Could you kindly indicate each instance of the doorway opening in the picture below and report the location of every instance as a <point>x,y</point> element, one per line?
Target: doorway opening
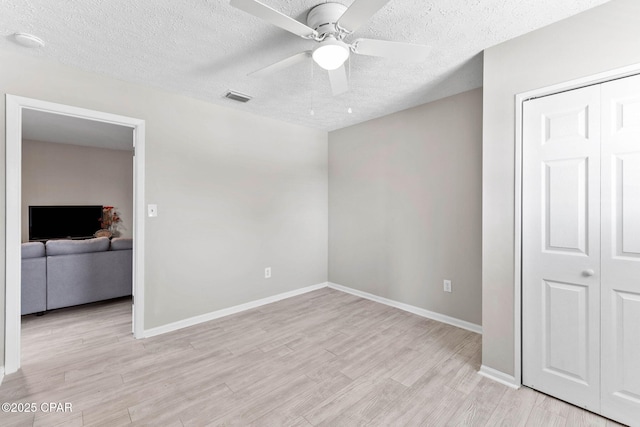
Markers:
<point>22,111</point>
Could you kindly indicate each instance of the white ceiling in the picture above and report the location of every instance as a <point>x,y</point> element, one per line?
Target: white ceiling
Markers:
<point>49,127</point>
<point>203,48</point>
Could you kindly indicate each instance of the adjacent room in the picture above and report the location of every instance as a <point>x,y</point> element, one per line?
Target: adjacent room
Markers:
<point>388,212</point>
<point>77,183</point>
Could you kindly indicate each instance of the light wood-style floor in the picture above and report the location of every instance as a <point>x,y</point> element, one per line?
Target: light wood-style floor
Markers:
<point>323,358</point>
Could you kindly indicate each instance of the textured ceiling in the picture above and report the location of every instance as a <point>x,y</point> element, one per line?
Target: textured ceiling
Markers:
<point>49,127</point>
<point>203,48</point>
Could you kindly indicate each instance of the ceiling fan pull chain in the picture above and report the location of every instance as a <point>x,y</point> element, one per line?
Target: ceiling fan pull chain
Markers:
<point>311,112</point>
<point>349,110</point>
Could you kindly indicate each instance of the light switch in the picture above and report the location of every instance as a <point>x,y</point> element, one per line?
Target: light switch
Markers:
<point>152,210</point>
<point>447,285</point>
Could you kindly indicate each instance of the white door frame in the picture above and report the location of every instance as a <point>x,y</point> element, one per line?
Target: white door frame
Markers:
<point>13,164</point>
<point>520,98</point>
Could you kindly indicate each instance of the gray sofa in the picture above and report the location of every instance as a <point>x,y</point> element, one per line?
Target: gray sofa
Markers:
<point>75,272</point>
<point>34,278</point>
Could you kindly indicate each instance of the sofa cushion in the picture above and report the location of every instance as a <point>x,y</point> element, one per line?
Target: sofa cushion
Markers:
<point>32,250</point>
<point>83,278</point>
<point>121,243</point>
<point>68,247</point>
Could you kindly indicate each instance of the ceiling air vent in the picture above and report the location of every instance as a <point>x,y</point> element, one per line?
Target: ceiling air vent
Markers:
<point>237,96</point>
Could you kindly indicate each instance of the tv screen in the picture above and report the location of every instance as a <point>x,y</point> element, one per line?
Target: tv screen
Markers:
<point>60,222</point>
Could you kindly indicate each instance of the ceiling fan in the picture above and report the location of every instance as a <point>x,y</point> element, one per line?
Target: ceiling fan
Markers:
<point>328,24</point>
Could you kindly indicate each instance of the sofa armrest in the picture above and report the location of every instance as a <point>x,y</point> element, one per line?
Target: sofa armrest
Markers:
<point>33,285</point>
<point>32,250</point>
<point>121,243</point>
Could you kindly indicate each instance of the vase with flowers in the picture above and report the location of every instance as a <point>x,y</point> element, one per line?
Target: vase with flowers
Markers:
<point>109,222</point>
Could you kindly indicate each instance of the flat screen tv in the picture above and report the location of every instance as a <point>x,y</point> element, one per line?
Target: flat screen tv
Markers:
<point>63,222</point>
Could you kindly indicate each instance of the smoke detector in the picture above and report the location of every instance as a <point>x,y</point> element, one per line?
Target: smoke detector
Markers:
<point>28,40</point>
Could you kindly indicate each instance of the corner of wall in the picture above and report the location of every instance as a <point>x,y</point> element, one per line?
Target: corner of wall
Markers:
<point>498,376</point>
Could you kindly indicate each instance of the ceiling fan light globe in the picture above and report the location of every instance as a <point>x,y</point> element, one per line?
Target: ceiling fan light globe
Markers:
<point>331,54</point>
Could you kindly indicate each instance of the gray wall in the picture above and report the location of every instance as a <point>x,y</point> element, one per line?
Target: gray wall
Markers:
<point>63,174</point>
<point>236,193</point>
<point>601,39</point>
<point>405,206</point>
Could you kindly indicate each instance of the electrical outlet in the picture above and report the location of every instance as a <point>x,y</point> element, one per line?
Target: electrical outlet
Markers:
<point>267,273</point>
<point>447,285</point>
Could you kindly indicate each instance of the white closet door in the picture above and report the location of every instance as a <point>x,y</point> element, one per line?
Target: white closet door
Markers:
<point>621,250</point>
<point>561,246</point>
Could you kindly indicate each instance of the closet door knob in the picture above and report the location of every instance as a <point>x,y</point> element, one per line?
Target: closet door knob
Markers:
<point>588,273</point>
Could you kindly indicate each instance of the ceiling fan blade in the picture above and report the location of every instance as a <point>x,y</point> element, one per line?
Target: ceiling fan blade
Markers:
<point>338,80</point>
<point>276,18</point>
<point>392,50</point>
<point>359,12</point>
<point>281,65</point>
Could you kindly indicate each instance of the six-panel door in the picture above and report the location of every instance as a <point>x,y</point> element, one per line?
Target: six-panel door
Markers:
<point>581,247</point>
<point>561,246</point>
<point>621,250</point>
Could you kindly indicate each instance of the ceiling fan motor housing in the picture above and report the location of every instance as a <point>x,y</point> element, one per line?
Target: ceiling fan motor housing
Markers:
<point>323,18</point>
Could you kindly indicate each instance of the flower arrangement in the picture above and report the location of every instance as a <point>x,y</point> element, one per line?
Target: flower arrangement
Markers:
<point>110,218</point>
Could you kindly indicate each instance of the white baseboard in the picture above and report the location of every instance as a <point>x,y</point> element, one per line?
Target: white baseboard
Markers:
<point>501,377</point>
<point>411,309</point>
<point>253,304</point>
<point>227,311</point>
<point>1,374</point>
